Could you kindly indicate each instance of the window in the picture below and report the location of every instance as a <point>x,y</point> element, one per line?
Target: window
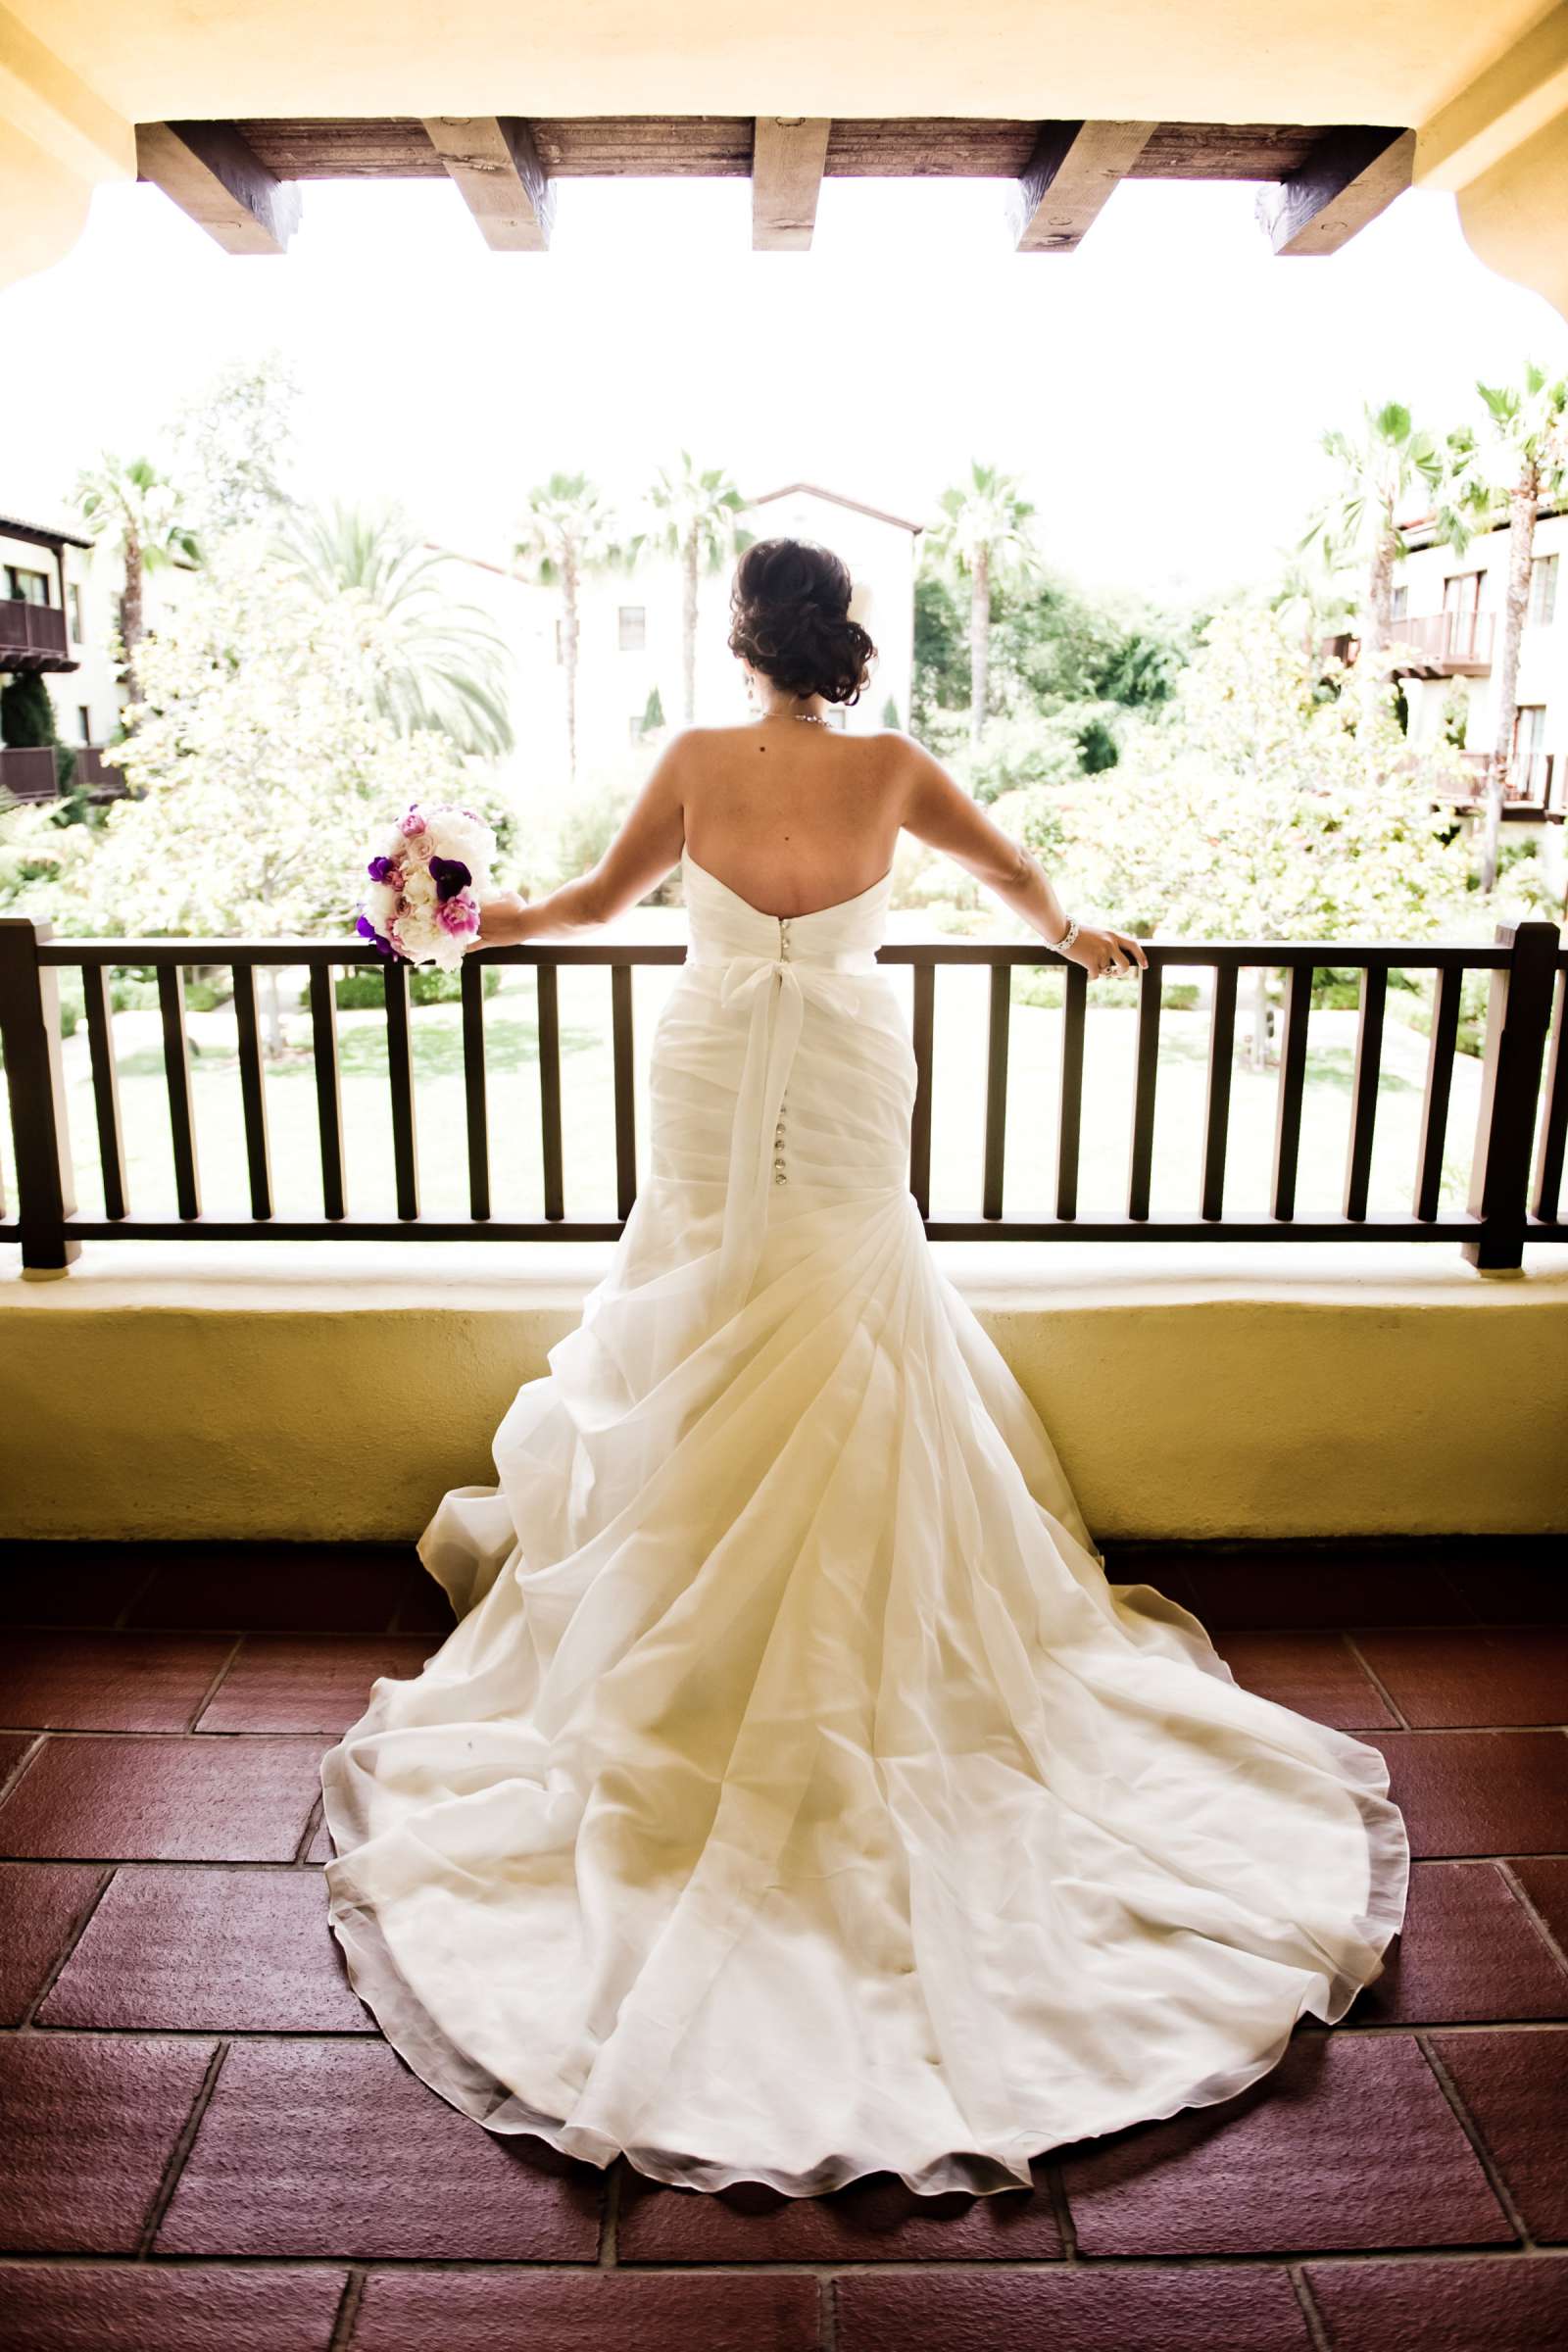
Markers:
<point>84,723</point>
<point>74,605</point>
<point>1544,589</point>
<point>27,587</point>
<point>1461,605</point>
<point>634,726</point>
<point>633,622</point>
<point>1529,769</point>
<point>1461,593</point>
<point>1401,602</point>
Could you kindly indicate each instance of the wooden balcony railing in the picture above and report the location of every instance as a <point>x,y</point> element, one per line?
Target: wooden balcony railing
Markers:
<point>30,772</point>
<point>1533,780</point>
<point>1507,1207</point>
<point>32,636</point>
<point>1443,643</point>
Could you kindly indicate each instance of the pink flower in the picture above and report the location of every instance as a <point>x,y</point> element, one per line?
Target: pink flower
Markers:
<point>459,915</point>
<point>413,822</point>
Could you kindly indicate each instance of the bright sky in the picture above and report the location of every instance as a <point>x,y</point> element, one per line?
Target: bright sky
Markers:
<point>1161,392</point>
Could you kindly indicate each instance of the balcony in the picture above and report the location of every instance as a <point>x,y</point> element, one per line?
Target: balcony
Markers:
<point>1443,645</point>
<point>1534,786</point>
<point>33,637</point>
<point>29,774</point>
<point>1433,645</point>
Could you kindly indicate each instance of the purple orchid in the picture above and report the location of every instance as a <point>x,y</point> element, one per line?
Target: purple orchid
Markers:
<point>368,930</point>
<point>381,869</point>
<point>451,876</point>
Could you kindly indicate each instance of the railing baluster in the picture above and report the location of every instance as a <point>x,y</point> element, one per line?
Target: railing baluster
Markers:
<point>997,1089</point>
<point>329,1089</point>
<point>1146,1068</point>
<point>176,1072</point>
<point>29,1023</point>
<point>473,1089</point>
<point>1291,1088</point>
<point>1518,1011</point>
<point>105,1087</point>
<point>252,1091</point>
<point>549,1090</point>
<point>1217,1112</point>
<point>1364,1089</point>
<point>1446,983</point>
<point>1069,1132</point>
<point>922,1028</point>
<point>625,1100</point>
<point>399,1076</point>
<point>1554,1119</point>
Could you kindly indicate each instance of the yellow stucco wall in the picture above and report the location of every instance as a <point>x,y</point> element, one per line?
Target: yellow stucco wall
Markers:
<point>257,1396</point>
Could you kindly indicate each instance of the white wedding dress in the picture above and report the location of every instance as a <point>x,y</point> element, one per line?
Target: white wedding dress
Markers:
<point>795,1798</point>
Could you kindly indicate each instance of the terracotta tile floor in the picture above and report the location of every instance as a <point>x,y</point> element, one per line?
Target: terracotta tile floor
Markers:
<point>225,2155</point>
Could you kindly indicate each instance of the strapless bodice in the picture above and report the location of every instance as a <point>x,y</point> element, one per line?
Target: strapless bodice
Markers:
<point>780,1059</point>
<point>723,927</point>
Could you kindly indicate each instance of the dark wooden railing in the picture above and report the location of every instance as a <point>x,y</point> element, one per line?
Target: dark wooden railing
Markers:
<point>32,636</point>
<point>32,772</point>
<point>1511,1200</point>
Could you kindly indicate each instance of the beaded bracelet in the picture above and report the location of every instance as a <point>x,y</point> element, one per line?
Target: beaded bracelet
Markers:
<point>1060,946</point>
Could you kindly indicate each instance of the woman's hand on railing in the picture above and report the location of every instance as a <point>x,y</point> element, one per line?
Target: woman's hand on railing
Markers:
<point>501,920</point>
<point>1103,953</point>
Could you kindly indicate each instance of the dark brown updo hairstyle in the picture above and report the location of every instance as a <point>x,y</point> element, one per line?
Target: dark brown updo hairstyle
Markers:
<point>790,620</point>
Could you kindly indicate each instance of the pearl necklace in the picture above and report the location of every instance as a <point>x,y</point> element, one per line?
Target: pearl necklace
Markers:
<point>804,718</point>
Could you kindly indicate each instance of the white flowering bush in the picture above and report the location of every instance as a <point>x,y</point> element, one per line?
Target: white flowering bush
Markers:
<point>260,767</point>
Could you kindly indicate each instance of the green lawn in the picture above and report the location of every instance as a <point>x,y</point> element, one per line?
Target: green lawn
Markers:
<point>957,1126</point>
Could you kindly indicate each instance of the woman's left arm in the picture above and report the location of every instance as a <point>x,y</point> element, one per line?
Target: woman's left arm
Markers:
<point>649,843</point>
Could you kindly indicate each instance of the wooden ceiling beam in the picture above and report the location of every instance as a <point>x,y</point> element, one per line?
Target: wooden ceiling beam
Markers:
<point>212,174</point>
<point>788,154</point>
<point>1073,170</point>
<point>495,163</point>
<point>1352,174</point>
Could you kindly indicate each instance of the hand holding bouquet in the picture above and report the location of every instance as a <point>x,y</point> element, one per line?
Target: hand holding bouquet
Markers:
<point>425,884</point>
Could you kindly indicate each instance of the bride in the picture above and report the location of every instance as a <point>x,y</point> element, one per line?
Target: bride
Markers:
<point>795,1798</point>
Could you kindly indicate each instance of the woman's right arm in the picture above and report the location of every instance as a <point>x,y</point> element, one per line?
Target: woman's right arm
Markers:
<point>939,811</point>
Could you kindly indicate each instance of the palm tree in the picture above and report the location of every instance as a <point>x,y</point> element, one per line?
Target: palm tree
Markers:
<point>984,537</point>
<point>697,526</point>
<point>127,503</point>
<point>429,659</point>
<point>1529,433</point>
<point>1379,469</point>
<point>567,531</point>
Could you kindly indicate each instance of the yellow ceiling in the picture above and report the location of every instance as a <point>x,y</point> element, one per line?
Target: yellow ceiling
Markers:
<point>1237,60</point>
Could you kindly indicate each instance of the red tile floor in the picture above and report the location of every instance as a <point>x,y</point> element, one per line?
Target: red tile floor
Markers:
<point>208,2148</point>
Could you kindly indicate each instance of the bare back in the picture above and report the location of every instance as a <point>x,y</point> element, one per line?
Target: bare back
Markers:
<point>793,816</point>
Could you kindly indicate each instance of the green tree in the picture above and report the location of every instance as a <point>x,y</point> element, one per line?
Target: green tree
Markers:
<point>567,531</point>
<point>128,504</point>
<point>262,771</point>
<point>1527,436</point>
<point>1380,469</point>
<point>696,524</point>
<point>1251,809</point>
<point>231,445</point>
<point>984,537</point>
<point>423,658</point>
<point>653,712</point>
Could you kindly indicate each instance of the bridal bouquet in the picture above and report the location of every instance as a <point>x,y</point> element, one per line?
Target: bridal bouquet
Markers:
<point>425,883</point>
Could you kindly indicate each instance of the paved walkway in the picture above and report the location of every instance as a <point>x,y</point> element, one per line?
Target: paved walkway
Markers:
<point>207,2148</point>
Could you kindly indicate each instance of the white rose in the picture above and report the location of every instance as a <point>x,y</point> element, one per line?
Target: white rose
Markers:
<point>418,888</point>
<point>380,904</point>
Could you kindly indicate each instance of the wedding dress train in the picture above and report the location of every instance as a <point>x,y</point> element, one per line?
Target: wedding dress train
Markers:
<point>796,1797</point>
